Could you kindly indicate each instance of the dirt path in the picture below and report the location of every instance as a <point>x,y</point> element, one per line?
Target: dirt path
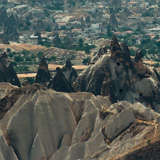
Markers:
<point>51,67</point>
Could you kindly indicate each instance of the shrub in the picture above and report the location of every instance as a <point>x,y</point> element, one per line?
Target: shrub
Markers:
<point>39,54</point>
<point>18,59</point>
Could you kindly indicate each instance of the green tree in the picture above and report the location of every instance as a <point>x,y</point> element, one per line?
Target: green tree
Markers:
<point>18,59</point>
<point>86,61</point>
<point>57,41</point>
<point>109,33</point>
<point>33,56</point>
<point>25,52</point>
<point>30,80</point>
<point>81,43</point>
<point>39,54</point>
<point>8,50</point>
<point>38,33</point>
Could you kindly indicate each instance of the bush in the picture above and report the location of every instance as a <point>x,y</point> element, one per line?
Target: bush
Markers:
<point>86,61</point>
<point>39,54</point>
<point>25,52</point>
<point>148,13</point>
<point>14,64</point>
<point>132,52</point>
<point>33,56</point>
<point>52,58</point>
<point>8,50</point>
<point>30,80</point>
<point>156,65</point>
<point>22,68</point>
<point>28,58</point>
<point>18,59</point>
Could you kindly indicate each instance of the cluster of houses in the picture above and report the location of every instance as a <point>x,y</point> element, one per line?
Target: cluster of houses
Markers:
<point>91,21</point>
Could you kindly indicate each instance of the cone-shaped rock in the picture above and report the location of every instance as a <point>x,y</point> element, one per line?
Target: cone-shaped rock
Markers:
<point>59,82</point>
<point>141,69</point>
<point>126,52</point>
<point>69,72</point>
<point>43,74</point>
<point>44,124</point>
<point>139,55</point>
<point>120,78</point>
<point>7,73</point>
<point>115,48</point>
<point>127,58</point>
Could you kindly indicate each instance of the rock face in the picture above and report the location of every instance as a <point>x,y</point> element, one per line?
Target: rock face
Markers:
<point>44,124</point>
<point>59,82</point>
<point>6,151</point>
<point>43,74</point>
<point>120,77</point>
<point>115,49</point>
<point>101,52</point>
<point>69,72</point>
<point>7,72</point>
<point>140,68</point>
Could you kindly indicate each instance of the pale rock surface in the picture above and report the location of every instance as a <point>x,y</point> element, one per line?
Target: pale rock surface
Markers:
<point>119,77</point>
<point>66,141</point>
<point>138,109</point>
<point>6,152</point>
<point>147,113</point>
<point>69,126</point>
<point>42,124</point>
<point>146,86</point>
<point>119,123</point>
<point>86,125</point>
<point>5,88</point>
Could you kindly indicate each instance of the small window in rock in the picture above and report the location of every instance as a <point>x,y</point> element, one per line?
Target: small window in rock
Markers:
<point>118,64</point>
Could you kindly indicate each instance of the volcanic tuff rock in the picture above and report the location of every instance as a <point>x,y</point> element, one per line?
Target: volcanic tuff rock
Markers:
<point>7,71</point>
<point>44,124</point>
<point>121,77</point>
<point>69,72</point>
<point>59,82</point>
<point>43,74</point>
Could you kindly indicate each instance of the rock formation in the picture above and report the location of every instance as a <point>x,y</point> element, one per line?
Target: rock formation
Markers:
<point>140,68</point>
<point>44,124</point>
<point>7,72</point>
<point>69,72</point>
<point>43,74</point>
<point>115,49</point>
<point>101,52</point>
<point>59,82</point>
<point>120,77</point>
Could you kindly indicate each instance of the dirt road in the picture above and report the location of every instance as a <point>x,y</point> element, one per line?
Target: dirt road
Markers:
<point>51,67</point>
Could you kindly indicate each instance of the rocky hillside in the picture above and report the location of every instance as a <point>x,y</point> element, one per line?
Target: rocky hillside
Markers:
<point>32,14</point>
<point>44,124</point>
<point>117,120</point>
<point>121,77</point>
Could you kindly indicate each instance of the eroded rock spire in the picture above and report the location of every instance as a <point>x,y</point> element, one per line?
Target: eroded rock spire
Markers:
<point>43,74</point>
<point>7,72</point>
